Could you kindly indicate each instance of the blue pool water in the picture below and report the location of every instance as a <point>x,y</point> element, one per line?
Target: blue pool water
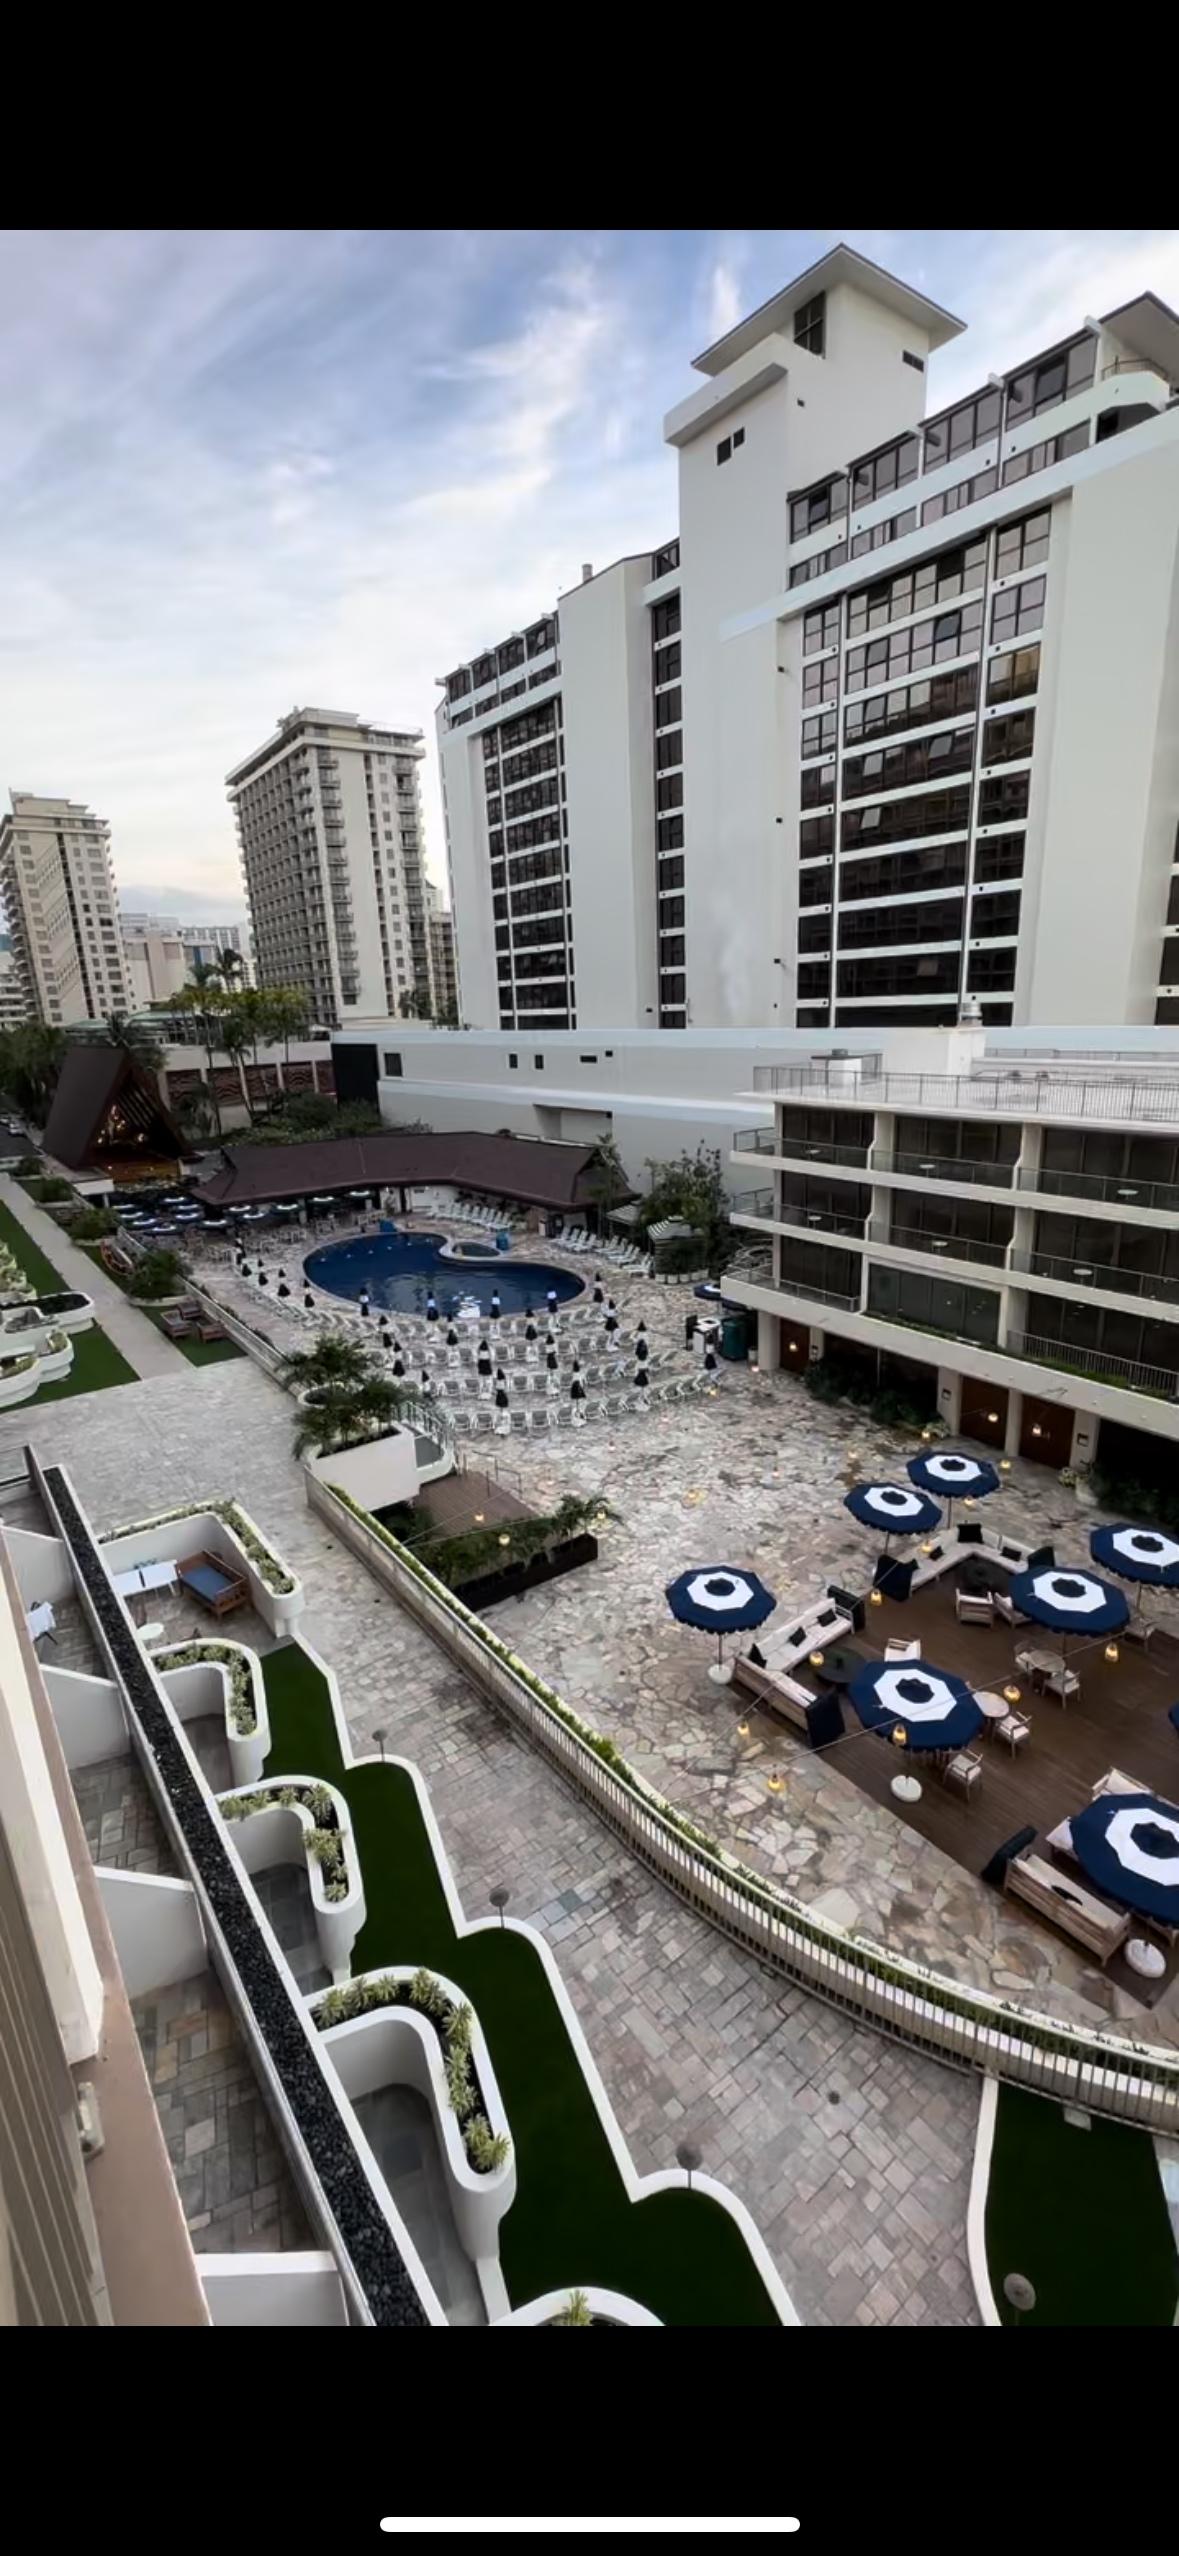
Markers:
<point>399,1271</point>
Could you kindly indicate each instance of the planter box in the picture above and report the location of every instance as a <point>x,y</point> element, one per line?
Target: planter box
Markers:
<point>396,2046</point>
<point>279,1836</point>
<point>492,1588</point>
<point>21,1385</point>
<point>204,1686</point>
<point>171,1539</point>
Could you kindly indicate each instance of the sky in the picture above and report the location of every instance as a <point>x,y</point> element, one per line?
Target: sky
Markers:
<point>241,470</point>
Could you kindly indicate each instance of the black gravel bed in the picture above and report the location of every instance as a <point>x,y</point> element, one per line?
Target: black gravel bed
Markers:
<point>380,2270</point>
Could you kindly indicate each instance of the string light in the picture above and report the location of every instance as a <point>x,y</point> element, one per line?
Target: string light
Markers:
<point>1011,1694</point>
<point>742,1730</point>
<point>1004,1464</point>
<point>1111,1651</point>
<point>773,1783</point>
<point>875,1598</point>
<point>816,1659</point>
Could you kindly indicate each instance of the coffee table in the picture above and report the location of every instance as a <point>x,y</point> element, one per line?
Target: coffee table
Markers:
<point>1146,1959</point>
<point>838,1666</point>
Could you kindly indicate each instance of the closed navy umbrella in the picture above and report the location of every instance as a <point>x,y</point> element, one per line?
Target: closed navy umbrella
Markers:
<point>1128,1843</point>
<point>893,1508</point>
<point>720,1600</point>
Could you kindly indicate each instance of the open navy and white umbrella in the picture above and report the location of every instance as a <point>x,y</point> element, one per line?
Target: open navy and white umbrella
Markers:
<point>720,1600</point>
<point>893,1508</point>
<point>931,1706</point>
<point>1068,1602</point>
<point>1143,1554</point>
<point>951,1476</point>
<point>1128,1843</point>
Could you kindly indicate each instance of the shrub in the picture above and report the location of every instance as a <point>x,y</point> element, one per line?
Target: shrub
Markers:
<point>159,1273</point>
<point>93,1224</point>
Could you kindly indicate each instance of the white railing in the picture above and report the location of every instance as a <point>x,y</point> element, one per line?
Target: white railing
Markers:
<point>965,2027</point>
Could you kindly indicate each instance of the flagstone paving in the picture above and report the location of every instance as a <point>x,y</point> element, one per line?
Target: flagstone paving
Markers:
<point>852,2154</point>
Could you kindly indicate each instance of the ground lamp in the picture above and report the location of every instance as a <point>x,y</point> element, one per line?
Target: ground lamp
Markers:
<point>1019,2294</point>
<point>498,1899</point>
<point>690,2159</point>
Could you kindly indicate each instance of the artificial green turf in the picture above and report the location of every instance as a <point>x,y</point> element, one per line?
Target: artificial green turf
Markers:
<point>97,1362</point>
<point>200,1353</point>
<point>1082,2213</point>
<point>571,2223</point>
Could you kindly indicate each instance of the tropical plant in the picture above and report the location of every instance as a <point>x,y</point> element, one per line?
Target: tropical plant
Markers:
<point>31,1054</point>
<point>691,1187</point>
<point>136,1040</point>
<point>195,1112</point>
<point>231,966</point>
<point>159,1273</point>
<point>93,1224</point>
<point>332,1361</point>
<point>606,1182</point>
<point>576,2311</point>
<point>205,1000</point>
<point>342,1416</point>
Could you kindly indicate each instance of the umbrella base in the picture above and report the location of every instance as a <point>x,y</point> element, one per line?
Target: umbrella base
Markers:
<point>721,1673</point>
<point>906,1788</point>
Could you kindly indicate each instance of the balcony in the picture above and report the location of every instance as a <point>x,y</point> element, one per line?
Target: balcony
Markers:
<point>1114,1189</point>
<point>799,1149</point>
<point>1071,1273</point>
<point>755,1140</point>
<point>820,1220</point>
<point>943,1167</point>
<point>951,1246</point>
<point>1098,1364</point>
<point>1029,1090</point>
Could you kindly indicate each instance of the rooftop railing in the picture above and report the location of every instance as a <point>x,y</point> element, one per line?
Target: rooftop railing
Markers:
<point>1020,1093</point>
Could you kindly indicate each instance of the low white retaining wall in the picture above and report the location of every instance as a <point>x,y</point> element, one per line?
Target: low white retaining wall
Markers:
<point>607,2303</point>
<point>156,1924</point>
<point>279,1836</point>
<point>396,2046</point>
<point>88,1711</point>
<point>175,1538</point>
<point>41,1564</point>
<point>204,1686</point>
<point>272,2289</point>
<point>23,1382</point>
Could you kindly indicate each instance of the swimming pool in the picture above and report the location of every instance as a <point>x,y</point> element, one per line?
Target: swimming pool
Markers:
<point>399,1271</point>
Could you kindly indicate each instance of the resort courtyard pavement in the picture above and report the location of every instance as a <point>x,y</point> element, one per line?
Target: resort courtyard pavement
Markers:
<point>852,2153</point>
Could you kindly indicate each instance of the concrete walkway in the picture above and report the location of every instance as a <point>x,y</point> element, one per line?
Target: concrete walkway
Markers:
<point>143,1347</point>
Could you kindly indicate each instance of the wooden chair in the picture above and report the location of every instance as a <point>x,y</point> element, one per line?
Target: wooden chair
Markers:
<point>962,1771</point>
<point>894,1650</point>
<point>1016,1730</point>
<point>972,1608</point>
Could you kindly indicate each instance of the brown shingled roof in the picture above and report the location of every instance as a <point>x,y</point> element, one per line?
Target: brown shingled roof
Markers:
<point>519,1167</point>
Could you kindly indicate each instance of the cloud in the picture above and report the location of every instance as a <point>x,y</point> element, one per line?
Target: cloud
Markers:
<point>725,304</point>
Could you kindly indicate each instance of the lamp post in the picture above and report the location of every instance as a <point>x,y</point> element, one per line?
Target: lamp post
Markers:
<point>381,1738</point>
<point>690,2159</point>
<point>499,1898</point>
<point>1019,2294</point>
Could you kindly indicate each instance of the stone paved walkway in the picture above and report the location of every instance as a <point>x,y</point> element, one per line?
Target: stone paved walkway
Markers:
<point>143,1347</point>
<point>852,2154</point>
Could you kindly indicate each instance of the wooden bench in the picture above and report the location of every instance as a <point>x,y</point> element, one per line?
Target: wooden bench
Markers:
<point>212,1583</point>
<point>781,1695</point>
<point>1091,1922</point>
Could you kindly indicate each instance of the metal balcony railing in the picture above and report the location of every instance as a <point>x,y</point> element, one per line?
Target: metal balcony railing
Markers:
<point>808,1294</point>
<point>943,1167</point>
<point>753,1202</point>
<point>1088,1273</point>
<point>943,1246</point>
<point>822,1220</point>
<point>755,1140</point>
<point>1099,1364</point>
<point>1117,1189</point>
<point>1019,1092</point>
<point>802,1149</point>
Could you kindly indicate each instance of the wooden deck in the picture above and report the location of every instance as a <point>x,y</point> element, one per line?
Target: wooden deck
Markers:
<point>1118,1719</point>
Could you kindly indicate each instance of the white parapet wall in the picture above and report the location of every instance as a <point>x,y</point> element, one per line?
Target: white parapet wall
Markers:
<point>201,1684</point>
<point>280,1835</point>
<point>41,1564</point>
<point>181,1533</point>
<point>272,2289</point>
<point>378,1474</point>
<point>397,2046</point>
<point>88,1711</point>
<point>610,2305</point>
<point>156,1924</point>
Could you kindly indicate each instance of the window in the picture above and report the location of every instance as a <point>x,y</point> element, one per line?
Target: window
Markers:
<point>667,662</point>
<point>1006,740</point>
<point>665,560</point>
<point>933,581</point>
<point>669,834</point>
<point>671,872</point>
<point>804,571</point>
<point>879,536</point>
<point>810,325</point>
<point>673,991</point>
<point>814,982</point>
<point>1020,608</point>
<point>669,748</point>
<point>818,785</point>
<point>1009,678</point>
<point>1036,457</point>
<point>814,507</point>
<point>900,766</point>
<point>669,707</point>
<point>671,913</point>
<point>538,1064</point>
<point>665,619</point>
<point>869,927</point>
<point>671,949</point>
<point>998,856</point>
<point>1022,545</point>
<point>934,1303</point>
<point>881,472</point>
<point>820,681</point>
<point>814,932</point>
<point>913,705</point>
<point>815,886</point>
<point>724,449</point>
<point>995,918</point>
<point>915,972</point>
<point>1003,800</point>
<point>933,642</point>
<point>1053,377</point>
<point>457,685</point>
<point>917,361</point>
<point>816,835</point>
<point>965,493</point>
<point>991,971</point>
<point>738,439</point>
<point>959,429</point>
<point>510,655</point>
<point>513,1061</point>
<point>819,735</point>
<point>543,636</point>
<point>393,1064</point>
<point>669,790</point>
<point>896,820</point>
<point>820,629</point>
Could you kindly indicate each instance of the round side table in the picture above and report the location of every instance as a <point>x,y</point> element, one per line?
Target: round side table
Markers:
<point>1146,1959</point>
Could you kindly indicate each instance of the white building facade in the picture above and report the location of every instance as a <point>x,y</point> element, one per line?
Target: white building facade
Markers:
<point>161,954</point>
<point>886,728</point>
<point>330,825</point>
<point>62,905</point>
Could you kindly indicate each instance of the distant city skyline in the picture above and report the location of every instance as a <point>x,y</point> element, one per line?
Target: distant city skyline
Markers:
<point>246,469</point>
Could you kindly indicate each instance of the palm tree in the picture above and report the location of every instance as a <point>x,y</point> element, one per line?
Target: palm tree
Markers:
<point>576,2311</point>
<point>340,1417</point>
<point>136,1039</point>
<point>231,967</point>
<point>201,998</point>
<point>31,1054</point>
<point>235,1039</point>
<point>331,1362</point>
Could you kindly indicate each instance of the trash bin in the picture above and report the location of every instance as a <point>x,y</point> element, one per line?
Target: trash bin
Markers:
<point>734,1337</point>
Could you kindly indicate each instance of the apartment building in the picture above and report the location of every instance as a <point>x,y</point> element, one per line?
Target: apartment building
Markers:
<point>995,1229</point>
<point>329,821</point>
<point>560,753</point>
<point>443,973</point>
<point>62,906</point>
<point>885,727</point>
<point>161,954</point>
